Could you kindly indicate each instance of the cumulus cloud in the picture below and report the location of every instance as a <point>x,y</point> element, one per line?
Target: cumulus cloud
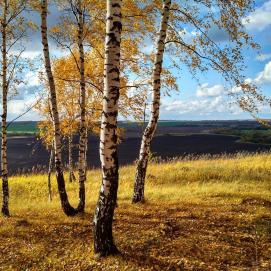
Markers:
<point>200,106</point>
<point>265,75</point>
<point>211,100</point>
<point>18,107</point>
<point>32,79</point>
<point>30,86</point>
<point>205,90</point>
<point>260,19</point>
<point>238,89</point>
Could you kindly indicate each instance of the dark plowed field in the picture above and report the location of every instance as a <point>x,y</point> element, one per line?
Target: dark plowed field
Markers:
<point>26,153</point>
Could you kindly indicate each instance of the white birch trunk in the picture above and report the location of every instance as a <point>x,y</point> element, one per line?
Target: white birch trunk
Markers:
<point>4,162</point>
<point>67,208</point>
<point>50,167</point>
<point>155,107</point>
<point>103,218</point>
<point>83,130</point>
<point>70,148</point>
<point>86,151</point>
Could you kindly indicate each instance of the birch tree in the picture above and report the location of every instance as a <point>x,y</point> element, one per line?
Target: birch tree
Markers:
<point>13,30</point>
<point>66,206</point>
<point>155,105</point>
<point>4,169</point>
<point>198,52</point>
<point>103,217</point>
<point>69,39</point>
<point>83,129</point>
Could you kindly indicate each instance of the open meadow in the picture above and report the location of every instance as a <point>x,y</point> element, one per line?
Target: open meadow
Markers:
<point>135,135</point>
<point>202,214</point>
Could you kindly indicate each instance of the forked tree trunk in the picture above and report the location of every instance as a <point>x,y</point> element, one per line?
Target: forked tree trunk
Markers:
<point>83,129</point>
<point>103,217</point>
<point>148,134</point>
<point>67,208</point>
<point>4,162</point>
<point>71,172</point>
<point>50,168</point>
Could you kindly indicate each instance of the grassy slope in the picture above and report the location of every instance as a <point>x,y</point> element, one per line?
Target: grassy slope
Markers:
<point>200,215</point>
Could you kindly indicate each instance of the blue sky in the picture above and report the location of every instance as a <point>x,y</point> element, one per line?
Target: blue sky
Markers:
<point>204,100</point>
<point>209,99</point>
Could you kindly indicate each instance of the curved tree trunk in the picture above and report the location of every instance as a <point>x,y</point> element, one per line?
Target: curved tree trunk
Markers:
<point>103,217</point>
<point>67,208</point>
<point>4,162</point>
<point>148,134</point>
<point>83,129</point>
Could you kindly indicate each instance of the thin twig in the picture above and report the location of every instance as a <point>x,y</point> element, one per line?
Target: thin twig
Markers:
<point>25,112</point>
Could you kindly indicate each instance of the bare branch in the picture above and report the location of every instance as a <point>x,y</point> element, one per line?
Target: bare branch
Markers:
<point>25,112</point>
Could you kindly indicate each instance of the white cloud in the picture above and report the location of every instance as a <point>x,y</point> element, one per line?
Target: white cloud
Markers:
<point>260,18</point>
<point>238,89</point>
<point>18,107</point>
<point>205,90</point>
<point>187,36</point>
<point>200,106</point>
<point>31,85</point>
<point>31,54</point>
<point>265,75</point>
<point>263,57</point>
<point>213,100</point>
<point>32,79</point>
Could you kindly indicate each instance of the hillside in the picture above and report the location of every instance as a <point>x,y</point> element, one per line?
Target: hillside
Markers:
<point>134,129</point>
<point>199,215</point>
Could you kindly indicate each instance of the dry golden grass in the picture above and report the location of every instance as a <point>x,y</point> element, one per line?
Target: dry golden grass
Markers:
<point>199,215</point>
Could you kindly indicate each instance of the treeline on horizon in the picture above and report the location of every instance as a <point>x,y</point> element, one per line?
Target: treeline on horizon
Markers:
<point>31,127</point>
<point>117,55</point>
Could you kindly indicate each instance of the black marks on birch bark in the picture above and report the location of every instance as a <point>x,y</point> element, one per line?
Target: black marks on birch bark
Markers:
<point>149,132</point>
<point>67,208</point>
<point>4,162</point>
<point>104,213</point>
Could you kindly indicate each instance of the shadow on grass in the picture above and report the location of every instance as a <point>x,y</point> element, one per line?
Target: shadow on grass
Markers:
<point>150,236</point>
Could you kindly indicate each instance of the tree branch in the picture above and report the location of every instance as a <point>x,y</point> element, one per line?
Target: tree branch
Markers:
<point>25,112</point>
